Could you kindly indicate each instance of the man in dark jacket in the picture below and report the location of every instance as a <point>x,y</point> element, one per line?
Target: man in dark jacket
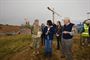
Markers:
<point>67,35</point>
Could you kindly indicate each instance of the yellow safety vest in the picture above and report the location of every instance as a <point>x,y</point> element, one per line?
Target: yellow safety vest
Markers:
<point>85,33</point>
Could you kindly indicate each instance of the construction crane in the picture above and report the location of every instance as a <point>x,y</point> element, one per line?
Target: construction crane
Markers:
<point>53,13</point>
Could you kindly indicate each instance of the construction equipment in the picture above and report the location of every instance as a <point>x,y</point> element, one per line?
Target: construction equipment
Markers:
<point>53,13</point>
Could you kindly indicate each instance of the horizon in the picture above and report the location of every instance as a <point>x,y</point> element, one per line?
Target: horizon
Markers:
<point>13,12</point>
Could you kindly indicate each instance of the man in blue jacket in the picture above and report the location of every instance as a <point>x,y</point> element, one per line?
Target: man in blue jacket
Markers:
<point>49,31</point>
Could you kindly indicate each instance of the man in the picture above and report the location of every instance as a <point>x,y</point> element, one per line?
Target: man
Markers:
<point>67,35</point>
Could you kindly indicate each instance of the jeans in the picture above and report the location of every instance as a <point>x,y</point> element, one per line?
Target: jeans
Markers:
<point>67,48</point>
<point>48,47</point>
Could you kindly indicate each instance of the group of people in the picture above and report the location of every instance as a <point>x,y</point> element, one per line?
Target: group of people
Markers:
<point>64,35</point>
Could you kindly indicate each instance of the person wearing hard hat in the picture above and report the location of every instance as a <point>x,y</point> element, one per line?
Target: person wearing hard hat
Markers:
<point>86,32</point>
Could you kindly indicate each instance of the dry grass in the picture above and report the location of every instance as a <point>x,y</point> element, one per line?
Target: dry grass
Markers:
<point>12,44</point>
<point>14,48</point>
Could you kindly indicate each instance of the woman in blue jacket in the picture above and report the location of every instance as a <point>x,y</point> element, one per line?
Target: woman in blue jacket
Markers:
<point>49,32</point>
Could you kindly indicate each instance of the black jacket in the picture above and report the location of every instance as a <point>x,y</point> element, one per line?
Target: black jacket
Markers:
<point>89,30</point>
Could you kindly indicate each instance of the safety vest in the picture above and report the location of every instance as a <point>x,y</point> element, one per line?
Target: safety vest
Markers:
<point>85,33</point>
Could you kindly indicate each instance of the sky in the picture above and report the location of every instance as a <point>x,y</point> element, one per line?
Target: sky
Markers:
<point>14,11</point>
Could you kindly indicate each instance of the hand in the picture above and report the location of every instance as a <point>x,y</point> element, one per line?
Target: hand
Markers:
<point>47,32</point>
<point>57,34</point>
<point>65,32</point>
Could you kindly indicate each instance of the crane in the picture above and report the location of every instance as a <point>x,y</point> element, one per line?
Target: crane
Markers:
<point>53,13</point>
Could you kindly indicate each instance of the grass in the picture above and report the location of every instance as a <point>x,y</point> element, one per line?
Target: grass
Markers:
<point>82,53</point>
<point>12,44</point>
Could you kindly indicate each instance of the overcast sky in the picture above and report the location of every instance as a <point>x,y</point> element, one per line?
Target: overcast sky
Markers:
<point>14,11</point>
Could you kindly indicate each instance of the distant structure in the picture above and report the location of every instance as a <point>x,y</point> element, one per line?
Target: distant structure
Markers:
<point>26,21</point>
<point>25,29</point>
<point>13,30</point>
<point>80,27</point>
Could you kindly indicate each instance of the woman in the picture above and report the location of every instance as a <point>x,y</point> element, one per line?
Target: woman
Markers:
<point>36,36</point>
<point>58,34</point>
<point>49,32</point>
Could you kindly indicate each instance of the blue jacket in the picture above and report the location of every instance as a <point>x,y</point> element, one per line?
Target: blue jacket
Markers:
<point>50,34</point>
